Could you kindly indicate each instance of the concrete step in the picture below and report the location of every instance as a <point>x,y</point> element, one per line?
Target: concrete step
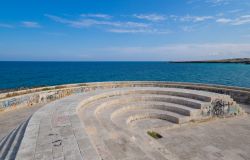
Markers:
<point>131,116</point>
<point>3,141</point>
<point>107,116</point>
<point>6,146</point>
<point>17,141</point>
<point>142,126</point>
<point>121,100</point>
<point>141,91</point>
<point>176,100</point>
<point>164,91</point>
<point>173,109</point>
<point>101,135</point>
<point>164,115</point>
<point>176,108</point>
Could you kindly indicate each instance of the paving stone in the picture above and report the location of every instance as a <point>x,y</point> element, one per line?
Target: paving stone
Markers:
<point>45,155</point>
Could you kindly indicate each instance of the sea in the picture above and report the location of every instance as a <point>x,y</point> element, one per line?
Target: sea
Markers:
<point>15,75</point>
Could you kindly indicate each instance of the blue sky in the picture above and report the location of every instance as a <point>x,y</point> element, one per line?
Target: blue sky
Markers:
<point>124,30</point>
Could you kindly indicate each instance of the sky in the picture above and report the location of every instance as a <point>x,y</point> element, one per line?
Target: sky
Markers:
<point>124,30</point>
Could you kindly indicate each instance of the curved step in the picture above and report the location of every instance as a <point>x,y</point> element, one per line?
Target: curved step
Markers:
<point>107,116</point>
<point>2,142</point>
<point>100,134</point>
<point>143,125</point>
<point>166,91</point>
<point>165,106</point>
<point>10,145</point>
<point>119,100</point>
<point>95,96</point>
<point>164,115</point>
<point>4,150</point>
<point>133,115</point>
<point>16,143</point>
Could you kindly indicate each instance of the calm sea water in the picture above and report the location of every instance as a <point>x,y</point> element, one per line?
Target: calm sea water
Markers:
<point>29,74</point>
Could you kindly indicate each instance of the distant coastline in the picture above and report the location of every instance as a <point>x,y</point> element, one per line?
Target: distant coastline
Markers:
<point>234,60</point>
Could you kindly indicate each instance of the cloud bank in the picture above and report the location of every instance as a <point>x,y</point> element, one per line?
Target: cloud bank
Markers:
<point>179,52</point>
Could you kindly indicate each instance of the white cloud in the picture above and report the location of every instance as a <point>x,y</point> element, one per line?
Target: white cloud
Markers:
<point>186,18</point>
<point>150,17</point>
<point>154,26</point>
<point>245,19</point>
<point>94,22</point>
<point>57,19</point>
<point>213,3</point>
<point>30,24</point>
<point>4,25</point>
<point>223,20</point>
<point>146,30</point>
<point>133,24</point>
<point>126,30</point>
<point>104,16</point>
<point>218,2</point>
<point>242,20</point>
<point>189,18</point>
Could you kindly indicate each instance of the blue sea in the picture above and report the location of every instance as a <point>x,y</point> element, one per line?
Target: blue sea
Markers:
<point>30,74</point>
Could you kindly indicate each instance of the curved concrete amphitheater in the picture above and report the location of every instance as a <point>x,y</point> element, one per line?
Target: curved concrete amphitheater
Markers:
<point>129,120</point>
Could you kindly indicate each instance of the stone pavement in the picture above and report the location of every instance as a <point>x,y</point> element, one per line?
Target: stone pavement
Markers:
<point>112,124</point>
<point>222,139</point>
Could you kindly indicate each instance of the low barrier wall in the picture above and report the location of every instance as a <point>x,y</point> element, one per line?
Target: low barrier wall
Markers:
<point>29,97</point>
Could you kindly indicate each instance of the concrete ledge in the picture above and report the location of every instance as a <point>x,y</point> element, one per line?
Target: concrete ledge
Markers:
<point>29,97</point>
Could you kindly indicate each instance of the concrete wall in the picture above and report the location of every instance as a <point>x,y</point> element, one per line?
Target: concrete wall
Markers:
<point>41,95</point>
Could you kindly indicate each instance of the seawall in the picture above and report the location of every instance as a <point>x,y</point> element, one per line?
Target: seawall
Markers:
<point>43,95</point>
